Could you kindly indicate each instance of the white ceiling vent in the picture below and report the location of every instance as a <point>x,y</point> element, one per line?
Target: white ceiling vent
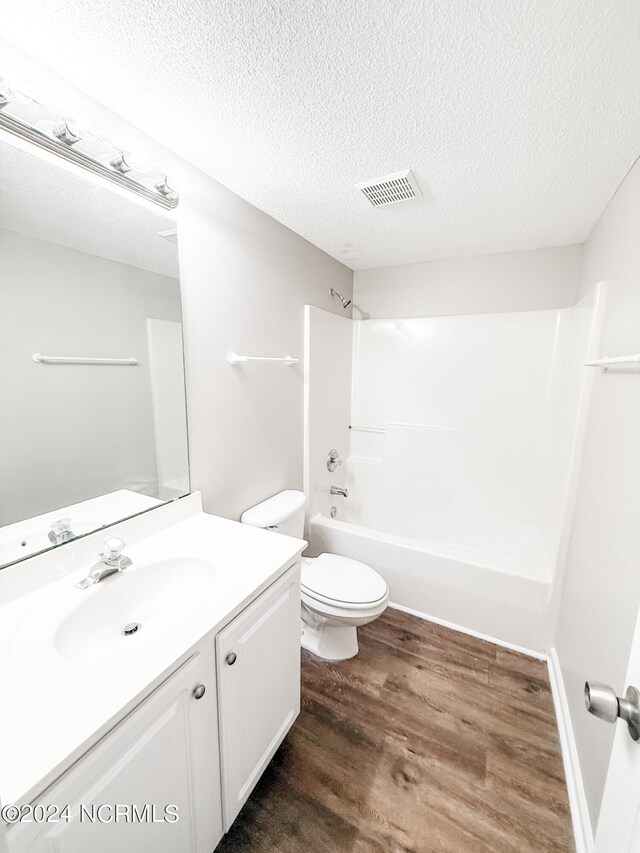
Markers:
<point>390,189</point>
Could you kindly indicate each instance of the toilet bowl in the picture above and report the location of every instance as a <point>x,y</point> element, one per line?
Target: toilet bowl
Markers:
<point>338,594</point>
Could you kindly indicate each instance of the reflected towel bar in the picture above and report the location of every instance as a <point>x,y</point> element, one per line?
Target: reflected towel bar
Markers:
<point>379,430</point>
<point>63,359</point>
<point>604,363</point>
<point>234,358</point>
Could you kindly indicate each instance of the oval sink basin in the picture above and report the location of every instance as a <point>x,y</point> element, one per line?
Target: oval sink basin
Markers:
<point>152,596</point>
<point>88,625</point>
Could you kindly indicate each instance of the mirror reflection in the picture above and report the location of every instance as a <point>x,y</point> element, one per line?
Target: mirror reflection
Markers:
<point>93,417</point>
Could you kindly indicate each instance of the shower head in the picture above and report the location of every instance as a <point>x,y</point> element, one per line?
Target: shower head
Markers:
<point>345,302</point>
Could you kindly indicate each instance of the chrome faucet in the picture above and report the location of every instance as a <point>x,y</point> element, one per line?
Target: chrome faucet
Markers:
<point>60,531</point>
<point>113,560</point>
<point>338,490</point>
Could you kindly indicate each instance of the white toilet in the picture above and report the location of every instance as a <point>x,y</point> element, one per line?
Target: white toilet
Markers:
<point>338,594</point>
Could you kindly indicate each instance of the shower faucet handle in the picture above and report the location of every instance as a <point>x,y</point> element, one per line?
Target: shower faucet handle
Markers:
<point>333,460</point>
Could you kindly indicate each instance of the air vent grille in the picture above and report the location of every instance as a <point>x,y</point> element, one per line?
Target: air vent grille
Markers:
<point>390,189</point>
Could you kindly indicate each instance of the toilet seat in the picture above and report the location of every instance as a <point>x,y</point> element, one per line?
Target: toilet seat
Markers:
<point>343,583</point>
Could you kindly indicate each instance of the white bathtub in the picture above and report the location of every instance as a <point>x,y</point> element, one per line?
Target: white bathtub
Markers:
<point>501,596</point>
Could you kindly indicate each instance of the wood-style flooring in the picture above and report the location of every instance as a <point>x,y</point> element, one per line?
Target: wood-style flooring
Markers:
<point>428,740</point>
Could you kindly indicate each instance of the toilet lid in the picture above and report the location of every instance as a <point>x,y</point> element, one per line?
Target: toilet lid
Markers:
<point>333,578</point>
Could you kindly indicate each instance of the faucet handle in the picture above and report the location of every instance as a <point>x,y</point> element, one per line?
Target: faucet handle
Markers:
<point>61,525</point>
<point>333,460</point>
<point>113,547</point>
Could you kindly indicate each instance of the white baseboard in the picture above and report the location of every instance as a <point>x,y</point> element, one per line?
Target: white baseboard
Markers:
<point>470,632</point>
<point>582,831</point>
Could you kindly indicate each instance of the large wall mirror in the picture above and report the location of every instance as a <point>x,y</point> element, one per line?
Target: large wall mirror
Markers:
<point>85,273</point>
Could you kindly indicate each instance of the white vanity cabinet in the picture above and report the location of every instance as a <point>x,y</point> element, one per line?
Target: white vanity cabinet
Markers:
<point>194,747</point>
<point>164,753</point>
<point>258,657</point>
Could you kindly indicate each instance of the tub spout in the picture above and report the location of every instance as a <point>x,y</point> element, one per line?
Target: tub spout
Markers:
<point>338,490</point>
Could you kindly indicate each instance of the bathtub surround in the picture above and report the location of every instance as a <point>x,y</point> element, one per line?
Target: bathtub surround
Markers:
<point>461,433</point>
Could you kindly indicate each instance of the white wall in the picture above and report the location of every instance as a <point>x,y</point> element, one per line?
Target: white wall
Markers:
<point>601,591</point>
<point>512,281</point>
<point>245,280</point>
<point>74,432</point>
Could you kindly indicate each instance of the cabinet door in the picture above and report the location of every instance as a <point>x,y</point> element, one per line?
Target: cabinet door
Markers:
<point>164,753</point>
<point>259,687</point>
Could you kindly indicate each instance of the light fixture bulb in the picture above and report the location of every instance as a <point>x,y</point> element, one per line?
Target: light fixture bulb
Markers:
<point>181,175</point>
<point>68,131</point>
<point>83,116</point>
<point>6,92</point>
<point>124,162</point>
<point>165,186</point>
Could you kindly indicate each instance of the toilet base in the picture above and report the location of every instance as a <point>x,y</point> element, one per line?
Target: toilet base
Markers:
<point>330,642</point>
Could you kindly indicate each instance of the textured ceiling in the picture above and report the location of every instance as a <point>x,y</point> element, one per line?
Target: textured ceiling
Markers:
<point>45,201</point>
<point>519,119</point>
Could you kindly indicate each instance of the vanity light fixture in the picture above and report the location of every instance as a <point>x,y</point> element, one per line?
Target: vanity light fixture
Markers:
<point>40,124</point>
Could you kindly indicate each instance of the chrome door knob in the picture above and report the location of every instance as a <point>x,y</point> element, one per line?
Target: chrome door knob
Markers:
<point>231,658</point>
<point>199,691</point>
<point>601,701</point>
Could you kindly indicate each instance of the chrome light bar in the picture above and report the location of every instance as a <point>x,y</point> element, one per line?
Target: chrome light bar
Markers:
<point>35,122</point>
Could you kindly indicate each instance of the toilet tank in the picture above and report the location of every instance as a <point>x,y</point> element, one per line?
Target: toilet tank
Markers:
<point>283,512</point>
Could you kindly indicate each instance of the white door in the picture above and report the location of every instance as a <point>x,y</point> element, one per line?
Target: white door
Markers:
<point>259,687</point>
<point>619,822</point>
<point>162,758</point>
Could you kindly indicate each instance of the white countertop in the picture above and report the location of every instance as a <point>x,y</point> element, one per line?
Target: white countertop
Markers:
<point>53,709</point>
